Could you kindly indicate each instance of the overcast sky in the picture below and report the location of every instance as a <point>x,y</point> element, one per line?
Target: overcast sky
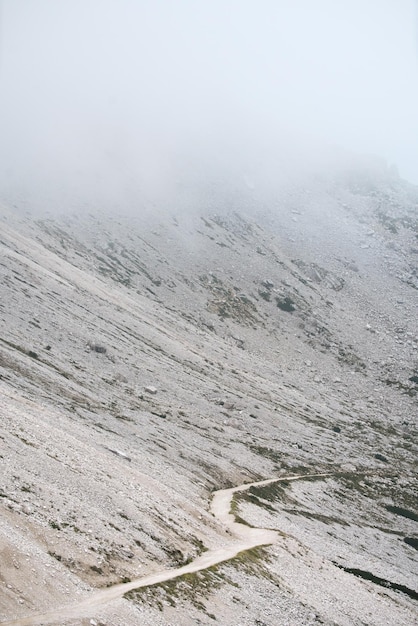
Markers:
<point>112,90</point>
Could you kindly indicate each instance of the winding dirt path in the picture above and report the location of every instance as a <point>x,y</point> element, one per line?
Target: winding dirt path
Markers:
<point>245,539</point>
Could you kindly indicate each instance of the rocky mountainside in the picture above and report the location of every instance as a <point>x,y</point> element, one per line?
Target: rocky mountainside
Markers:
<point>150,358</point>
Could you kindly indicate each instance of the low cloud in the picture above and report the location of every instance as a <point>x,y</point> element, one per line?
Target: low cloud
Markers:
<point>116,102</point>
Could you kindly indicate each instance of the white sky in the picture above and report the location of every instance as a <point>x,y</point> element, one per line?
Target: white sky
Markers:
<point>91,86</point>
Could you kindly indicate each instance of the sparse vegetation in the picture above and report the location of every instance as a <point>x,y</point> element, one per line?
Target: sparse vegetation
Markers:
<point>266,295</point>
<point>198,586</point>
<point>268,453</point>
<point>285,303</point>
<point>398,510</point>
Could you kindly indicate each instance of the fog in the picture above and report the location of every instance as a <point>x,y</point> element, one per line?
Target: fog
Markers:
<point>113,101</point>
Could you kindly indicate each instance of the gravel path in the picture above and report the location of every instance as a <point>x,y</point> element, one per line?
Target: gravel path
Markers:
<point>245,539</point>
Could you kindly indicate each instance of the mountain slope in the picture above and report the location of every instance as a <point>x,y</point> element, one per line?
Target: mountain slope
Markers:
<point>147,360</point>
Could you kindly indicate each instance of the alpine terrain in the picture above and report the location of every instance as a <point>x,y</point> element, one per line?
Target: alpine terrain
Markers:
<point>208,408</point>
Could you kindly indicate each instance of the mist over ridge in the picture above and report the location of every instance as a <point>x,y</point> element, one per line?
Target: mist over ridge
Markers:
<point>120,104</point>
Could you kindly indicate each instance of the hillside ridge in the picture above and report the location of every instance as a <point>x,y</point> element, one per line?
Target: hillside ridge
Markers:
<point>149,358</point>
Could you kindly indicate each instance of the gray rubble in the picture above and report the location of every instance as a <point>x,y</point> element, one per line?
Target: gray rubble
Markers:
<point>274,347</point>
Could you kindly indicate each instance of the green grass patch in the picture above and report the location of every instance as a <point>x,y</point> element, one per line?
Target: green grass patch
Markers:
<point>198,586</point>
